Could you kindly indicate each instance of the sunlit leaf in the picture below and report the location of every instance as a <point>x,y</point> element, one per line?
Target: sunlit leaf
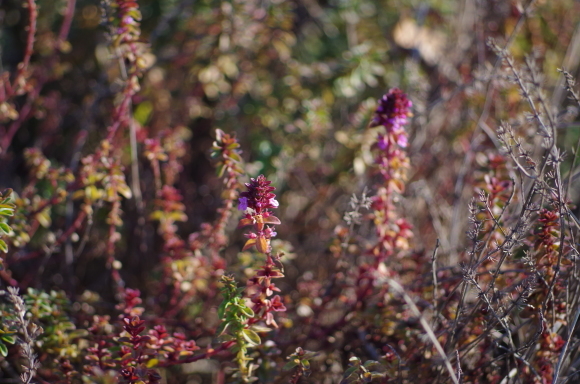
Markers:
<point>249,244</point>
<point>5,228</point>
<point>262,244</point>
<point>291,364</point>
<point>251,337</point>
<point>247,311</point>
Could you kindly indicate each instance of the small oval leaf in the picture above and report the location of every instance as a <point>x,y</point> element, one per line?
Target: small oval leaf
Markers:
<point>251,337</point>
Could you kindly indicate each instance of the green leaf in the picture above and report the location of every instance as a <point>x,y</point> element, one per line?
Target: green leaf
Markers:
<point>5,228</point>
<point>3,246</point>
<point>373,365</point>
<point>6,211</point>
<point>246,311</point>
<point>9,339</point>
<point>124,190</point>
<point>3,350</point>
<point>291,364</point>
<point>225,337</point>
<point>309,355</point>
<point>143,112</point>
<point>235,157</point>
<point>251,337</point>
<point>349,372</point>
<point>233,146</point>
<point>220,170</point>
<point>152,363</point>
<point>260,328</point>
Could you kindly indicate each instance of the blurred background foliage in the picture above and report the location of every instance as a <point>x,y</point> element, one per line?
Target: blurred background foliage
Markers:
<point>297,82</point>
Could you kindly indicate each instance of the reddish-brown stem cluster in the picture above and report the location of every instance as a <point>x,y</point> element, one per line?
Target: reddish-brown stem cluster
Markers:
<point>261,288</point>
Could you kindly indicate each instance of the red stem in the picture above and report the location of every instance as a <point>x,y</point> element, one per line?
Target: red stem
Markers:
<point>23,115</point>
<point>22,67</point>
<point>66,23</point>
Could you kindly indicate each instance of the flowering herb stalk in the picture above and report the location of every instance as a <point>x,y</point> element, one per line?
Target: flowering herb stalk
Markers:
<point>392,162</point>
<point>257,201</point>
<point>238,319</point>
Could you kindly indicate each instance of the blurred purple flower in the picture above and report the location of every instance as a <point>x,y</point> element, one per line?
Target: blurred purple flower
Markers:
<point>402,140</point>
<point>243,203</point>
<point>393,110</point>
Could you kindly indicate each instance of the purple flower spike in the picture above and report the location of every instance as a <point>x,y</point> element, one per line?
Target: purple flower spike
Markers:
<point>259,195</point>
<point>260,199</point>
<point>393,110</point>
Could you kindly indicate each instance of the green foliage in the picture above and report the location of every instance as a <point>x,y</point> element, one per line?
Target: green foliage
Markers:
<point>51,310</point>
<point>6,337</point>
<point>299,362</point>
<point>6,210</point>
<point>235,315</point>
<point>359,373</point>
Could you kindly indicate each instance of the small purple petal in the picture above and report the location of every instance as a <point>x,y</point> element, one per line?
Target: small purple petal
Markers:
<point>243,203</point>
<point>383,142</point>
<point>402,140</point>
<point>274,203</point>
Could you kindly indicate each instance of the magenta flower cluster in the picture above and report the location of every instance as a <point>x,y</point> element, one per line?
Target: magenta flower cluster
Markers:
<point>392,112</point>
<point>259,196</point>
<point>256,202</point>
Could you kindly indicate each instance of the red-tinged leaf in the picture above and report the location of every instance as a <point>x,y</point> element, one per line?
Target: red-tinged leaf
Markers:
<point>126,356</point>
<point>6,193</point>
<point>245,221</point>
<point>274,274</point>
<point>262,244</point>
<point>272,220</point>
<point>249,244</point>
